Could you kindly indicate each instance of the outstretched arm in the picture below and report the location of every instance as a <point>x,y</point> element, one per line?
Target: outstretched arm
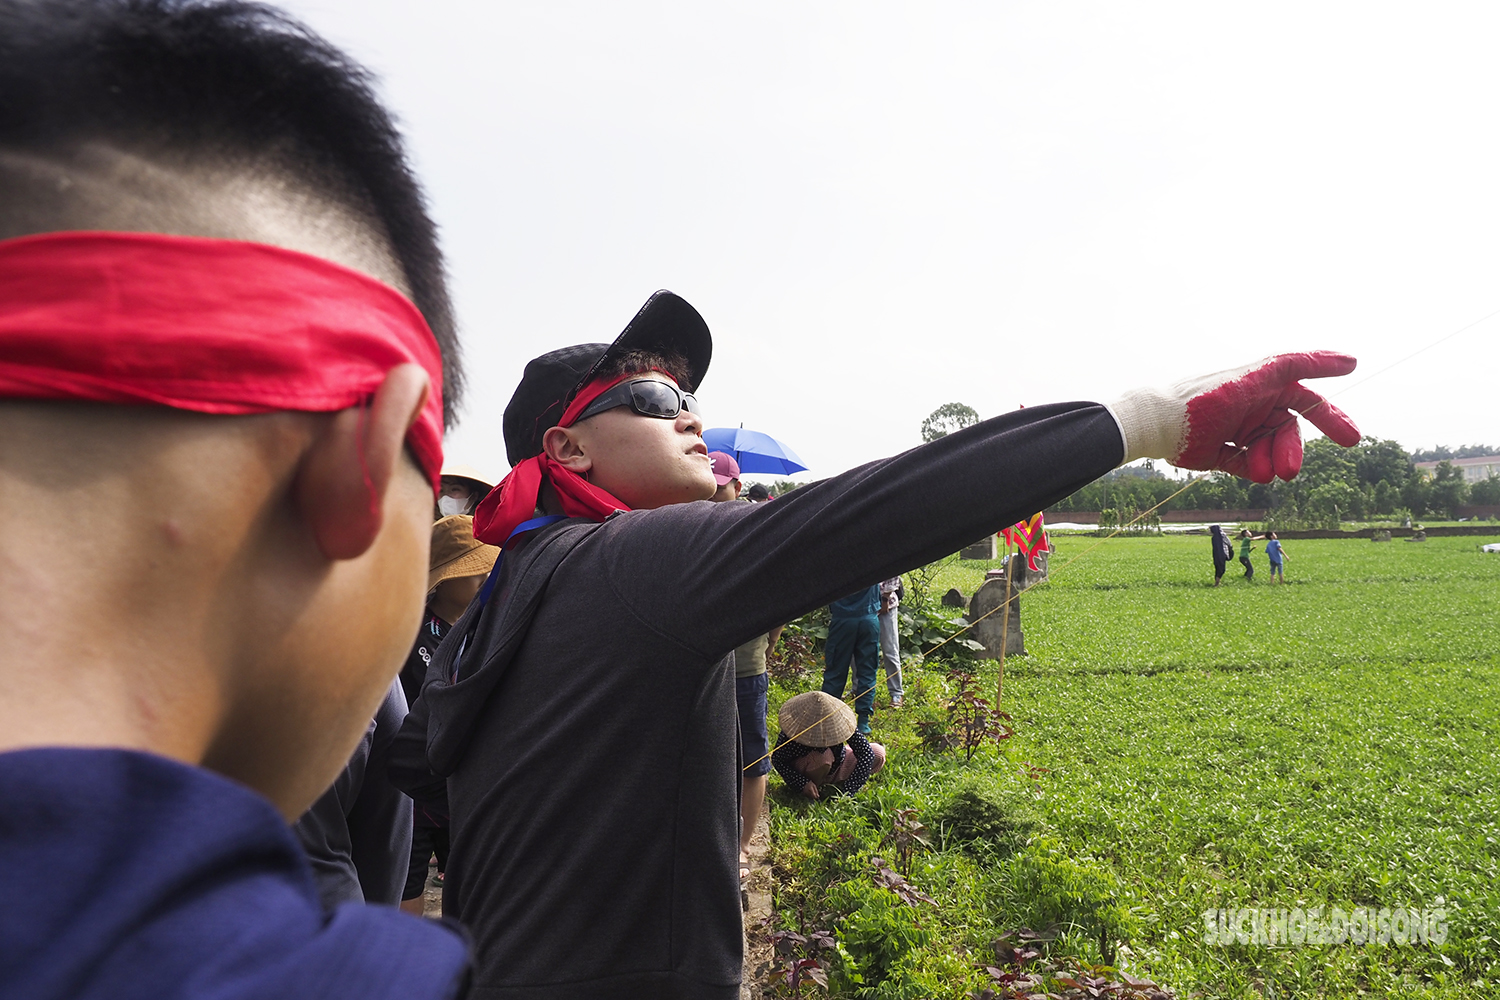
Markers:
<point>830,538</point>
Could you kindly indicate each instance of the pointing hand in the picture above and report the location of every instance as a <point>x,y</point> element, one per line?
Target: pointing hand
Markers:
<point>1238,421</point>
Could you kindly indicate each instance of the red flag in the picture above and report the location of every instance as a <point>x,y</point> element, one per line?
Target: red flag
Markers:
<point>1029,537</point>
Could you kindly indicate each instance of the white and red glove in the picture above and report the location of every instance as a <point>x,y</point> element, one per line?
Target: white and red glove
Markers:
<point>1238,421</point>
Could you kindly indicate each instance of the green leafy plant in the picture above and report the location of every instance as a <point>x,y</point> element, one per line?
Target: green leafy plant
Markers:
<point>800,961</point>
<point>1022,971</point>
<point>907,834</point>
<point>971,719</point>
<point>794,659</point>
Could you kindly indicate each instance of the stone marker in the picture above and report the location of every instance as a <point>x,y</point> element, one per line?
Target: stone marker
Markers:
<point>954,598</point>
<point>1381,536</point>
<point>988,632</point>
<point>982,549</point>
<point>1025,575</point>
<point>1418,536</point>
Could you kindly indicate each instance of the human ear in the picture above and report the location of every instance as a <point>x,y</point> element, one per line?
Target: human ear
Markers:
<point>561,444</point>
<point>343,477</point>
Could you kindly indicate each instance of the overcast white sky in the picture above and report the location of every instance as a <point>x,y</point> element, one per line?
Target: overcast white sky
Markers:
<point>883,207</point>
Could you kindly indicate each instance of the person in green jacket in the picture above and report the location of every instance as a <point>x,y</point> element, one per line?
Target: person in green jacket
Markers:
<point>1245,549</point>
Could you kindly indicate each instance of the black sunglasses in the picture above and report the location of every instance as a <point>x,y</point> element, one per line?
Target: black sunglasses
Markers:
<point>646,396</point>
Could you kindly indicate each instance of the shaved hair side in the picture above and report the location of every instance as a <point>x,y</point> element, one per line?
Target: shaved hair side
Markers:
<point>153,115</point>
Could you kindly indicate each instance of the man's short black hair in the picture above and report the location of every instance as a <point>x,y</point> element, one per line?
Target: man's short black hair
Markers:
<point>231,80</point>
<point>640,362</point>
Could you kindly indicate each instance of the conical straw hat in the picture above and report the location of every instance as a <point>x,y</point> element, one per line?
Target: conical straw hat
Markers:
<point>816,719</point>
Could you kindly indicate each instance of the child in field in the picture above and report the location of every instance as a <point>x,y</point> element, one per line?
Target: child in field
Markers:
<point>224,332</point>
<point>1246,547</point>
<point>1275,553</point>
<point>584,715</point>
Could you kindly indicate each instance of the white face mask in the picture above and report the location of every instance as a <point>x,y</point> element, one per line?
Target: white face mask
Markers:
<point>448,506</point>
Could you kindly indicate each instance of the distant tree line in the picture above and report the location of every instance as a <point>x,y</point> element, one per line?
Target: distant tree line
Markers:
<point>1442,452</point>
<point>1376,479</point>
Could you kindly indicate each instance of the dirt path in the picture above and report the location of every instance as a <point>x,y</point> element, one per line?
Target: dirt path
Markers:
<point>756,897</point>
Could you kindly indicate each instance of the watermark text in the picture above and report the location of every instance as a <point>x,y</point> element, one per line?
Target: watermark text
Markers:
<point>1320,925</point>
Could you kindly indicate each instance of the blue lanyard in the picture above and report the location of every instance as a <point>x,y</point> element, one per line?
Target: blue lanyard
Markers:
<point>521,529</point>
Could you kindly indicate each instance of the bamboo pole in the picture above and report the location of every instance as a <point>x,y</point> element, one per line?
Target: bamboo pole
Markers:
<point>1004,626</point>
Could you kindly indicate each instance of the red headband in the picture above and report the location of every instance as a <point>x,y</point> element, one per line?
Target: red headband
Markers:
<point>212,326</point>
<point>515,499</point>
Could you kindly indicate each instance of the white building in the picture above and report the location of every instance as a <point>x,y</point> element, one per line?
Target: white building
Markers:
<point>1474,469</point>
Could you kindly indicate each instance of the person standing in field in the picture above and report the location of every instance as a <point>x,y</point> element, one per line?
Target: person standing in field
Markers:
<point>1275,553</point>
<point>854,637</point>
<point>1222,551</point>
<point>1246,547</point>
<point>463,487</point>
<point>890,639</point>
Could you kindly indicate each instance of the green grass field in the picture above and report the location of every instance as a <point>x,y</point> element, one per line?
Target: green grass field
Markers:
<point>1181,748</point>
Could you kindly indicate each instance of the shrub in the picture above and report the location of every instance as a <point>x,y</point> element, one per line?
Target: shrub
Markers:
<point>877,929</point>
<point>979,816</point>
<point>1077,898</point>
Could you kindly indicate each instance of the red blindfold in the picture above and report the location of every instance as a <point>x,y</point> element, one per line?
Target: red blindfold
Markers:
<point>212,326</point>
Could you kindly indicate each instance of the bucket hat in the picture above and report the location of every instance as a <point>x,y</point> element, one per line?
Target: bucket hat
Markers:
<point>456,552</point>
<point>816,719</point>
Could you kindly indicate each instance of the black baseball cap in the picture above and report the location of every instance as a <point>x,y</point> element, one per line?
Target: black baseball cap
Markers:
<point>666,324</point>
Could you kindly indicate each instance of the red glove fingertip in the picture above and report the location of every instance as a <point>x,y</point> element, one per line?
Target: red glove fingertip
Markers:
<point>1286,450</point>
<point>1336,424</point>
<point>1258,465</point>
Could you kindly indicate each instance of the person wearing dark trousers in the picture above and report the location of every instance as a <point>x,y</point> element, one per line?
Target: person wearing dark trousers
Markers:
<point>854,635</point>
<point>1245,549</point>
<point>1222,551</point>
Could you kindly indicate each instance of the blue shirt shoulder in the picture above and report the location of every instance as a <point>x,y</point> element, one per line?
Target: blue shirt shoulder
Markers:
<point>144,877</point>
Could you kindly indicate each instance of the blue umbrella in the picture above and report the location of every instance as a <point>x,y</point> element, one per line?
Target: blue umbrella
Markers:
<point>754,451</point>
